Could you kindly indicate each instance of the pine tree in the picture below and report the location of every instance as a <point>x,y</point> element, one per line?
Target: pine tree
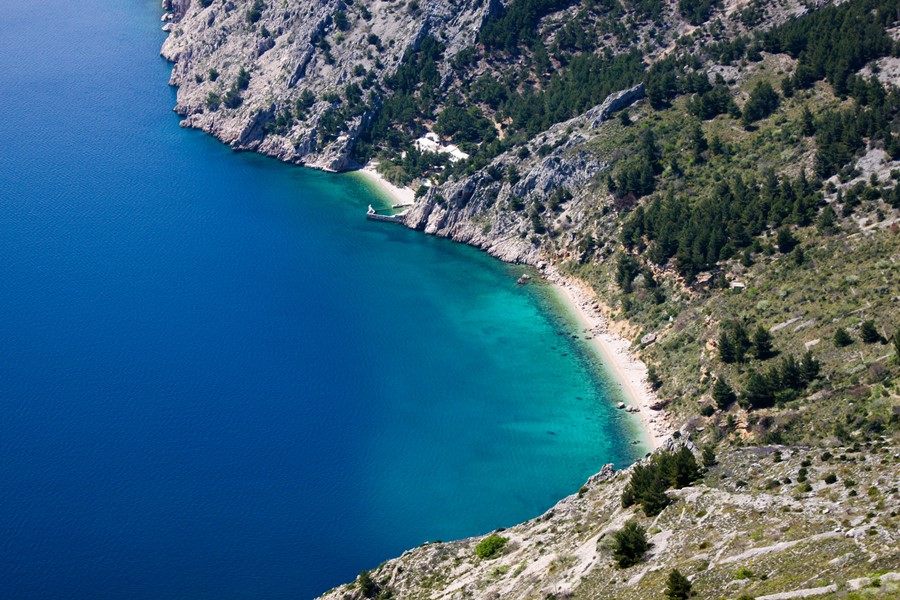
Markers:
<point>740,340</point>
<point>727,352</point>
<point>698,141</point>
<point>678,587</point>
<point>827,219</point>
<point>786,240</point>
<point>763,101</point>
<point>809,368</point>
<point>709,456</point>
<point>807,126</point>
<point>685,469</point>
<point>790,374</point>
<point>758,393</point>
<point>762,343</point>
<point>723,395</point>
<point>366,585</point>
<point>655,499</point>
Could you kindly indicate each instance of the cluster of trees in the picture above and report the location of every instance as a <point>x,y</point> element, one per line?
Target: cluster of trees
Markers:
<point>696,11</point>
<point>232,98</point>
<point>763,102</point>
<point>735,343</point>
<point>465,125</point>
<point>868,333</point>
<point>646,10</point>
<point>638,179</point>
<point>841,133</point>
<point>577,35</point>
<point>714,101</point>
<point>779,383</point>
<point>415,88</point>
<point>584,83</point>
<point>699,233</point>
<point>515,23</point>
<point>342,110</point>
<point>650,480</point>
<point>836,41</point>
<point>673,76</point>
<point>401,170</point>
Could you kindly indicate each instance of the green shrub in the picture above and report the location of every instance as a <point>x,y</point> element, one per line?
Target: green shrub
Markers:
<point>366,585</point>
<point>869,333</point>
<point>842,338</point>
<point>490,546</point>
<point>763,101</point>
<point>254,13</point>
<point>743,573</point>
<point>243,79</point>
<point>341,21</point>
<point>723,395</point>
<point>677,586</point>
<point>213,101</point>
<point>629,544</point>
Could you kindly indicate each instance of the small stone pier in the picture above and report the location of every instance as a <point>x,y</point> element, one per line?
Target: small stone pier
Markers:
<point>374,215</point>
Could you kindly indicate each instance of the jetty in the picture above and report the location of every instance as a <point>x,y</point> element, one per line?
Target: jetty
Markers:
<point>374,215</point>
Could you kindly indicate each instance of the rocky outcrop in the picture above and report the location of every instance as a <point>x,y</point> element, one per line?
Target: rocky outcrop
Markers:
<point>614,103</point>
<point>500,214</point>
<point>743,531</point>
<point>292,43</point>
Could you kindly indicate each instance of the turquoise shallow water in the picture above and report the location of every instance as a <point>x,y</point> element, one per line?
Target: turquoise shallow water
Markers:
<point>217,380</point>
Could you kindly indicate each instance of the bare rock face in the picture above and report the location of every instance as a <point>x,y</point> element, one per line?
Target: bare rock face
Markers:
<point>289,47</point>
<point>500,214</point>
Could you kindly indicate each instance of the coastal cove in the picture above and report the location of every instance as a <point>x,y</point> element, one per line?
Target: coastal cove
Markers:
<point>588,318</point>
<point>220,380</point>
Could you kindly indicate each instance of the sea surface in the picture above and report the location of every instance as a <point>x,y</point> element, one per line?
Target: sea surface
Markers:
<point>217,380</point>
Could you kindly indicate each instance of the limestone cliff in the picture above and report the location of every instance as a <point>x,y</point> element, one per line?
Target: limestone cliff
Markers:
<point>285,50</point>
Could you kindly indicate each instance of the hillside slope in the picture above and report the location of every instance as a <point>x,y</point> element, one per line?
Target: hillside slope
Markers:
<point>749,528</point>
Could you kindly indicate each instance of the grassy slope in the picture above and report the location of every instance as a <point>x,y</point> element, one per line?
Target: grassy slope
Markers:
<point>849,275</point>
<point>738,533</point>
<point>746,529</point>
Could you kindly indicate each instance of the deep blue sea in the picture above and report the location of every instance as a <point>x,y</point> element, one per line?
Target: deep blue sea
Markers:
<point>217,380</point>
